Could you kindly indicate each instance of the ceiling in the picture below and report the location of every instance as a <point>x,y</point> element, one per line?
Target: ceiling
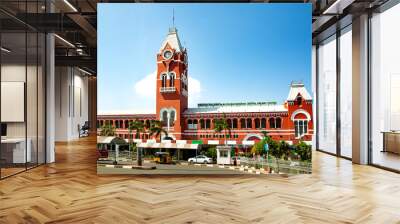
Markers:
<point>75,22</point>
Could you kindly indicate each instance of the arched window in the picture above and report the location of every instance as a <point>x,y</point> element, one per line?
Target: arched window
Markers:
<point>229,122</point>
<point>208,123</point>
<point>164,118</point>
<point>263,123</point>
<point>195,122</point>
<point>172,118</point>
<point>164,80</point>
<point>257,123</point>
<point>271,122</point>
<point>298,100</point>
<point>189,124</point>
<point>202,124</point>
<point>126,123</point>
<point>171,79</point>
<point>278,122</point>
<point>242,123</point>
<point>234,123</point>
<point>117,124</point>
<point>249,123</point>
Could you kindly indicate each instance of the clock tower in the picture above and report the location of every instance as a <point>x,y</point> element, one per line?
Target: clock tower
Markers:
<point>172,84</point>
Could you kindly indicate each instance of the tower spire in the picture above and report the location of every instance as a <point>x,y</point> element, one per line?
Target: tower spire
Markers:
<point>172,29</point>
<point>173,18</point>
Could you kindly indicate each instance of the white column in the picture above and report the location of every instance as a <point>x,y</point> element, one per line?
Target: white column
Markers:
<point>360,90</point>
<point>314,92</point>
<point>50,99</point>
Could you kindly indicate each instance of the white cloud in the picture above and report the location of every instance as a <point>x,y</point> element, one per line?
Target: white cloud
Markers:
<point>194,87</point>
<point>146,88</point>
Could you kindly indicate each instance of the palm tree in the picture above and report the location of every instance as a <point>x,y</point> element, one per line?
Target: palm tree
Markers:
<point>138,126</point>
<point>221,125</point>
<point>265,134</point>
<point>107,130</point>
<point>156,129</point>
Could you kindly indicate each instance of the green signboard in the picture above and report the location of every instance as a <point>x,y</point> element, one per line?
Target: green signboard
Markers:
<point>200,142</point>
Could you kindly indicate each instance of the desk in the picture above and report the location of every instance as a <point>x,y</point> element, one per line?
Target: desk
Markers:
<point>391,141</point>
<point>13,150</point>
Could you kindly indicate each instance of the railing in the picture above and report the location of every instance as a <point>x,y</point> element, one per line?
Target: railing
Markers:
<point>167,89</point>
<point>285,166</point>
<point>168,129</point>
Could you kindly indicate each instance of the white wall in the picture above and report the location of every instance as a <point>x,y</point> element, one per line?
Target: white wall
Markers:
<point>71,102</point>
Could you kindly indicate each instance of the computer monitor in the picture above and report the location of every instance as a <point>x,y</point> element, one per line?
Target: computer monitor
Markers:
<point>3,129</point>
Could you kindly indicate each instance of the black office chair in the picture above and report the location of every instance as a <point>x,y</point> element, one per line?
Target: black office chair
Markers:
<point>84,130</point>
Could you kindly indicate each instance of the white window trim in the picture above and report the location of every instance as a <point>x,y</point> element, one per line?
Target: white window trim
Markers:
<point>300,111</point>
<point>304,132</point>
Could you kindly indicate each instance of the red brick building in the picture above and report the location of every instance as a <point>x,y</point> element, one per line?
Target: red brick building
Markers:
<point>289,121</point>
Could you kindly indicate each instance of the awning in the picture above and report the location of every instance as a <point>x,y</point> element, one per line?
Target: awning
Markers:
<point>110,140</point>
<point>247,142</point>
<point>167,145</point>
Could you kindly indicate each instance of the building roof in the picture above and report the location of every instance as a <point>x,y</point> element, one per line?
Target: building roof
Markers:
<point>127,116</point>
<point>296,89</point>
<point>237,108</point>
<point>173,40</point>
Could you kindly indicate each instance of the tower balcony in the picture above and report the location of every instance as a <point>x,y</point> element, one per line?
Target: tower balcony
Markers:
<point>167,89</point>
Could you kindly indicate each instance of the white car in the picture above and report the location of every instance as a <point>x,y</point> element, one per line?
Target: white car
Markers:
<point>200,159</point>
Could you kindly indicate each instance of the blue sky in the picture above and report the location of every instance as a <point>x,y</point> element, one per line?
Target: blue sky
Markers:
<point>236,52</point>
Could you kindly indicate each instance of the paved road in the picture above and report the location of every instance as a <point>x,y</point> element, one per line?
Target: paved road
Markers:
<point>170,169</point>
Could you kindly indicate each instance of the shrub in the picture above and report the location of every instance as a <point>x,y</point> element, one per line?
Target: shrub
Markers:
<point>258,148</point>
<point>212,153</point>
<point>285,149</point>
<point>107,130</point>
<point>304,151</point>
<point>275,151</point>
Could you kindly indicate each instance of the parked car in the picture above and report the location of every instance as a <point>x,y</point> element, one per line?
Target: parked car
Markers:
<point>200,159</point>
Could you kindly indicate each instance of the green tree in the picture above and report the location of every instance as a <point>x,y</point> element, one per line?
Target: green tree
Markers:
<point>285,148</point>
<point>221,125</point>
<point>265,133</point>
<point>275,151</point>
<point>107,130</point>
<point>212,153</point>
<point>137,126</point>
<point>258,148</point>
<point>304,151</point>
<point>156,129</point>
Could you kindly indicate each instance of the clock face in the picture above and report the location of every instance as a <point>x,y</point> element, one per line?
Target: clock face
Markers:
<point>167,54</point>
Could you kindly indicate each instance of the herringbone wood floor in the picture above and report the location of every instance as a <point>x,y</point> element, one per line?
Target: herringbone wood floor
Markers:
<point>70,191</point>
